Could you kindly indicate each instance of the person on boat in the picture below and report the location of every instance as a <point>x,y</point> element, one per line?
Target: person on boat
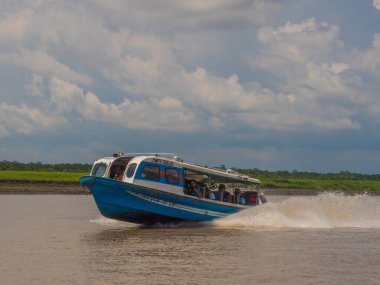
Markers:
<point>208,194</point>
<point>238,198</point>
<point>193,189</point>
<point>119,173</point>
<point>223,195</point>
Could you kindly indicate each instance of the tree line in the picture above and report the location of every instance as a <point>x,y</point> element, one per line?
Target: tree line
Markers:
<point>255,172</point>
<point>342,175</point>
<point>39,166</point>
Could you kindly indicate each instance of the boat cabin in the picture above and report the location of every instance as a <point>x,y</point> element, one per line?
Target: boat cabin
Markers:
<point>170,174</point>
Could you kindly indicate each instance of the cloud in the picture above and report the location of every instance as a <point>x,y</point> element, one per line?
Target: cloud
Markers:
<point>25,120</point>
<point>189,68</point>
<point>14,27</point>
<point>168,16</point>
<point>376,4</point>
<point>148,71</point>
<point>309,59</point>
<point>369,59</point>
<point>166,113</point>
<point>42,63</point>
<point>37,86</point>
<point>297,43</point>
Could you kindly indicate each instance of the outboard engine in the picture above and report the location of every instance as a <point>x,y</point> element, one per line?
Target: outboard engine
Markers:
<point>262,198</point>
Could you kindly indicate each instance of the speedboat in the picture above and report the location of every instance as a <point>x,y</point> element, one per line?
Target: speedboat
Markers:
<point>149,188</point>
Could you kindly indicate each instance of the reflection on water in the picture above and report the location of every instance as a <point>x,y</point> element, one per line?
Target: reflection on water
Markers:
<point>62,240</point>
<point>166,255</point>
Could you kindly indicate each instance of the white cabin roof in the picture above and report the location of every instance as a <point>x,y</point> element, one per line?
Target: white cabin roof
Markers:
<point>191,168</point>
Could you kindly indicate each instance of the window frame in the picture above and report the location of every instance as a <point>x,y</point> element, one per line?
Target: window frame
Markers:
<point>178,177</point>
<point>127,173</point>
<point>155,172</point>
<point>97,167</point>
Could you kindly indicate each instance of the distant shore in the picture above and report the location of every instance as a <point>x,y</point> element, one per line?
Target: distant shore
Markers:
<point>74,188</point>
<point>40,188</point>
<point>312,192</point>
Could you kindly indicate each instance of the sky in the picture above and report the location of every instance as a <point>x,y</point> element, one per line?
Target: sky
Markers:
<point>276,85</point>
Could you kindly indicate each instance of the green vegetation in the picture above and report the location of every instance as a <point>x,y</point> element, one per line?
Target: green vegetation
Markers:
<point>343,180</point>
<point>321,184</point>
<point>39,172</point>
<point>39,166</point>
<point>40,176</point>
<point>343,175</point>
<point>70,173</point>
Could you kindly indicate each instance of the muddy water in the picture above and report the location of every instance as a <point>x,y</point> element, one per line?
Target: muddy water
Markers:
<point>328,239</point>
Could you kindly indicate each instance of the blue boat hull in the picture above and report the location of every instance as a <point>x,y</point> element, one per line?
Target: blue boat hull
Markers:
<point>131,203</point>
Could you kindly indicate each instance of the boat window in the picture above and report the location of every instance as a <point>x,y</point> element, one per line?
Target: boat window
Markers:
<point>151,172</point>
<point>99,169</point>
<point>131,170</point>
<point>172,175</point>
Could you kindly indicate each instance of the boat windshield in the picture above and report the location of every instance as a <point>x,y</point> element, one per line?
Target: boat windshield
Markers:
<point>99,169</point>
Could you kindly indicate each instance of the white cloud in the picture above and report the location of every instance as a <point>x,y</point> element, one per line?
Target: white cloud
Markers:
<point>302,42</point>
<point>326,77</point>
<point>84,46</point>
<point>15,26</point>
<point>304,55</point>
<point>376,4</point>
<point>166,113</point>
<point>206,67</point>
<point>67,97</point>
<point>37,86</point>
<point>168,16</point>
<point>25,120</point>
<point>42,63</point>
<point>369,59</point>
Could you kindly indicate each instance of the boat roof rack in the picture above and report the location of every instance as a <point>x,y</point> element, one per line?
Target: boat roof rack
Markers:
<point>158,154</point>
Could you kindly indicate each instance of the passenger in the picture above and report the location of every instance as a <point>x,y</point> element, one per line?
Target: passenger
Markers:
<point>223,195</point>
<point>238,198</point>
<point>186,190</point>
<point>193,189</point>
<point>208,194</point>
<point>119,173</point>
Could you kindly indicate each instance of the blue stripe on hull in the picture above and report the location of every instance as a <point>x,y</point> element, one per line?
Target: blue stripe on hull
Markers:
<point>128,202</point>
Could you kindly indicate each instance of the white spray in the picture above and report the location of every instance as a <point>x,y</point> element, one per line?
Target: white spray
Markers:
<point>328,210</point>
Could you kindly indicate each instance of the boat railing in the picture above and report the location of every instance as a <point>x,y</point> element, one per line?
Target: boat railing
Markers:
<point>158,154</point>
<point>222,170</point>
<point>209,167</point>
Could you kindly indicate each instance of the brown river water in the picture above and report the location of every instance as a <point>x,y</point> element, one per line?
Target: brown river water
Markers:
<point>57,239</point>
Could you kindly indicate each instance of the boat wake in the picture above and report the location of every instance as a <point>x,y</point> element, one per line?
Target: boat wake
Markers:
<point>109,222</point>
<point>114,223</point>
<point>328,210</point>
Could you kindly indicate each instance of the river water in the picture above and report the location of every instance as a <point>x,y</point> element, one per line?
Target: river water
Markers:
<point>327,239</point>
